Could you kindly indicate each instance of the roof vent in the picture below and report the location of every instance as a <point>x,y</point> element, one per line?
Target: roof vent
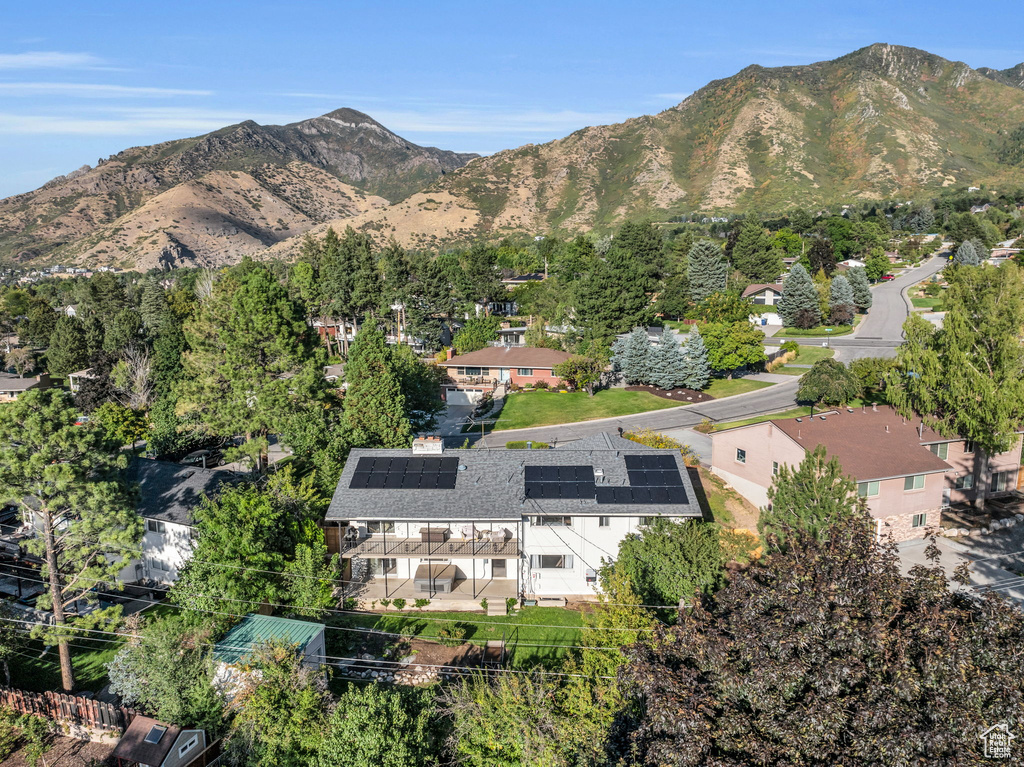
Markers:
<point>799,420</point>
<point>874,407</point>
<point>822,418</point>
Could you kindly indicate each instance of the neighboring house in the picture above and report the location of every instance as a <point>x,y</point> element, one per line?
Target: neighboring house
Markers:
<point>168,493</point>
<point>455,526</point>
<point>905,471</point>
<point>850,263</point>
<point>75,379</point>
<point>151,743</point>
<point>763,295</point>
<point>12,386</point>
<point>71,310</point>
<point>980,208</point>
<point>240,643</point>
<point>335,374</point>
<point>511,337</point>
<point>471,375</point>
<point>513,282</point>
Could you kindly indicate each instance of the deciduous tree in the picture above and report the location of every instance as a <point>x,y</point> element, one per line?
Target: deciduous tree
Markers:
<point>733,346</point>
<point>828,382</point>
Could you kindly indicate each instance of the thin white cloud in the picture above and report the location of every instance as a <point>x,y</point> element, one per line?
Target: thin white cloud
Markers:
<point>676,97</point>
<point>49,60</point>
<point>171,121</point>
<point>93,90</point>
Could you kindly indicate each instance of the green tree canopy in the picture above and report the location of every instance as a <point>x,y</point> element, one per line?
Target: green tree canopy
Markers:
<point>476,333</point>
<point>707,270</point>
<point>862,297</point>
<point>733,346</point>
<point>828,382</point>
<point>67,351</point>
<point>798,306</point>
<point>375,406</point>
<point>632,355</point>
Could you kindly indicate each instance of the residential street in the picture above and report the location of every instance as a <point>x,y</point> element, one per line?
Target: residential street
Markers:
<point>878,335</point>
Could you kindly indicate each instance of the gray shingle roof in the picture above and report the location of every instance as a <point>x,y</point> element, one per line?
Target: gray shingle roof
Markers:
<point>491,486</point>
<point>170,492</point>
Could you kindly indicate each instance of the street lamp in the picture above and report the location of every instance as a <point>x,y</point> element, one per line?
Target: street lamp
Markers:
<point>828,338</point>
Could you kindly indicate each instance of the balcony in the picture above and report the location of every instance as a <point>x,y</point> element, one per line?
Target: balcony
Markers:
<point>417,547</point>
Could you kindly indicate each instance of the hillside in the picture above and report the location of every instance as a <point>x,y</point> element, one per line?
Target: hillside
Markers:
<point>882,121</point>
<point>219,196</point>
<point>1013,76</point>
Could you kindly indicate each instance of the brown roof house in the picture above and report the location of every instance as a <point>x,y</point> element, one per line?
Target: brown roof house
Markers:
<point>471,375</point>
<point>906,472</point>
<point>151,743</point>
<point>12,387</point>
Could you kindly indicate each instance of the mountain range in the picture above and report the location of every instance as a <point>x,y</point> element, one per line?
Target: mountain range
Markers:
<point>882,121</point>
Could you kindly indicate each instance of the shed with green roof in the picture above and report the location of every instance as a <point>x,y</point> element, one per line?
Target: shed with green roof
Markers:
<point>255,630</point>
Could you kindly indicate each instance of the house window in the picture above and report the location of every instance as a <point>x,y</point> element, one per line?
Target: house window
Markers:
<point>553,521</point>
<point>604,521</point>
<point>941,450</point>
<point>965,482</point>
<point>379,526</point>
<point>158,564</point>
<point>525,371</point>
<point>968,446</point>
<point>775,468</point>
<point>919,520</point>
<point>759,300</point>
<point>188,746</point>
<point>916,482</point>
<point>381,566</point>
<point>646,521</point>
<point>551,561</point>
<point>741,455</point>
<point>867,489</point>
<point>1002,481</point>
<point>156,526</point>
<point>470,371</point>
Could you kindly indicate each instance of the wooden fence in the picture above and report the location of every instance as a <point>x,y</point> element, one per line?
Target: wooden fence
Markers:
<point>69,709</point>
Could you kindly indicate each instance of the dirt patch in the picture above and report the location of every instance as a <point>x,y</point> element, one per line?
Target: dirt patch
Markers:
<point>728,507</point>
<point>436,654</point>
<point>682,396</point>
<point>67,752</point>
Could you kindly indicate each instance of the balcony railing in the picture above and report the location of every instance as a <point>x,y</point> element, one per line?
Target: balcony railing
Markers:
<point>415,547</point>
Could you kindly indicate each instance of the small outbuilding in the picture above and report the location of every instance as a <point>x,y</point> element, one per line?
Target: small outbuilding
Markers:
<point>151,743</point>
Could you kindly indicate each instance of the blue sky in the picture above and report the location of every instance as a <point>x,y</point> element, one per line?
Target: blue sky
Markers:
<point>83,80</point>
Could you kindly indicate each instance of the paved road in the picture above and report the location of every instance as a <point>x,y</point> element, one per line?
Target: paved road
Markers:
<point>877,336</point>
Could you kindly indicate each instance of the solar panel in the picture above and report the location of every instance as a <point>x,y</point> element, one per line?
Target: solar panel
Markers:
<point>446,481</point>
<point>359,480</point>
<point>393,481</point>
<point>415,466</point>
<point>376,481</point>
<point>659,495</point>
<point>586,489</point>
<point>410,481</point>
<point>676,495</point>
<point>641,494</point>
<point>532,473</point>
<point>449,465</point>
<point>635,462</point>
<point>637,478</point>
<point>365,465</point>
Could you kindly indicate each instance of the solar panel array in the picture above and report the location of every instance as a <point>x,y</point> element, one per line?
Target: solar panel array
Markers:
<point>653,479</point>
<point>427,473</point>
<point>566,482</point>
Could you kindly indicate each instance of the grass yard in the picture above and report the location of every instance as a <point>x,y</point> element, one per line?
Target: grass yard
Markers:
<point>532,626</point>
<point>724,387</point>
<point>931,304</point>
<point>806,355</point>
<point>541,408</point>
<point>37,668</point>
<point>797,412</point>
<point>818,332</point>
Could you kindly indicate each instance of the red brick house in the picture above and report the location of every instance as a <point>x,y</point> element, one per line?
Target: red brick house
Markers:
<point>471,375</point>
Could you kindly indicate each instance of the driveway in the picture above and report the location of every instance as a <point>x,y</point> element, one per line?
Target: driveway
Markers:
<point>992,559</point>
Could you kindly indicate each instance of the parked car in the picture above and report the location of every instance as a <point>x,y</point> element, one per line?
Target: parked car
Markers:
<point>205,458</point>
<point>887,277</point>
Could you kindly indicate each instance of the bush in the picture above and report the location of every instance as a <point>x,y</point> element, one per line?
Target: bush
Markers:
<point>790,346</point>
<point>483,604</point>
<point>452,634</point>
<point>400,604</point>
<point>542,385</point>
<point>385,603</point>
<point>510,605</point>
<point>419,604</point>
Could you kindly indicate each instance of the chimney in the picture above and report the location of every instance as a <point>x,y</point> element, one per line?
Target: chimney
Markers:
<point>874,407</point>
<point>920,430</point>
<point>887,428</point>
<point>427,446</point>
<point>450,352</point>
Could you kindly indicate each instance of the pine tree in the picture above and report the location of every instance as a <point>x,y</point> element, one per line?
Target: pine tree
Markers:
<point>862,297</point>
<point>632,355</point>
<point>67,351</point>
<point>611,298</point>
<point>966,254</point>
<point>979,248</point>
<point>374,403</point>
<point>153,306</point>
<point>707,270</point>
<point>798,306</point>
<point>669,366</point>
<point>753,255</point>
<point>842,306</point>
<point>698,371</point>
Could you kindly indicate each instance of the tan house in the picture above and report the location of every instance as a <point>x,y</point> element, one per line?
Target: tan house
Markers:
<point>762,294</point>
<point>12,387</point>
<point>471,375</point>
<point>906,472</point>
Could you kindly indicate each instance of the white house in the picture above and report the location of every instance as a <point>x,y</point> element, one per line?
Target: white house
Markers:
<point>168,494</point>
<point>456,526</point>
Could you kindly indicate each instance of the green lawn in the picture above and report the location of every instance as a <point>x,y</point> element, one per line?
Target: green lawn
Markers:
<point>808,355</point>
<point>529,626</point>
<point>786,370</point>
<point>724,387</point>
<point>932,304</point>
<point>837,330</point>
<point>797,412</point>
<point>29,671</point>
<point>541,408</point>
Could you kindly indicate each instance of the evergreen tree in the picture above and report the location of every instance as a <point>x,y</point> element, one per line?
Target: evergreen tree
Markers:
<point>753,255</point>
<point>67,351</point>
<point>669,368</point>
<point>40,323</point>
<point>707,270</point>
<point>966,254</point>
<point>798,306</point>
<point>122,330</point>
<point>153,307</point>
<point>643,242</point>
<point>612,298</point>
<point>698,371</point>
<point>862,297</point>
<point>842,306</point>
<point>375,407</point>
<point>632,356</point>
